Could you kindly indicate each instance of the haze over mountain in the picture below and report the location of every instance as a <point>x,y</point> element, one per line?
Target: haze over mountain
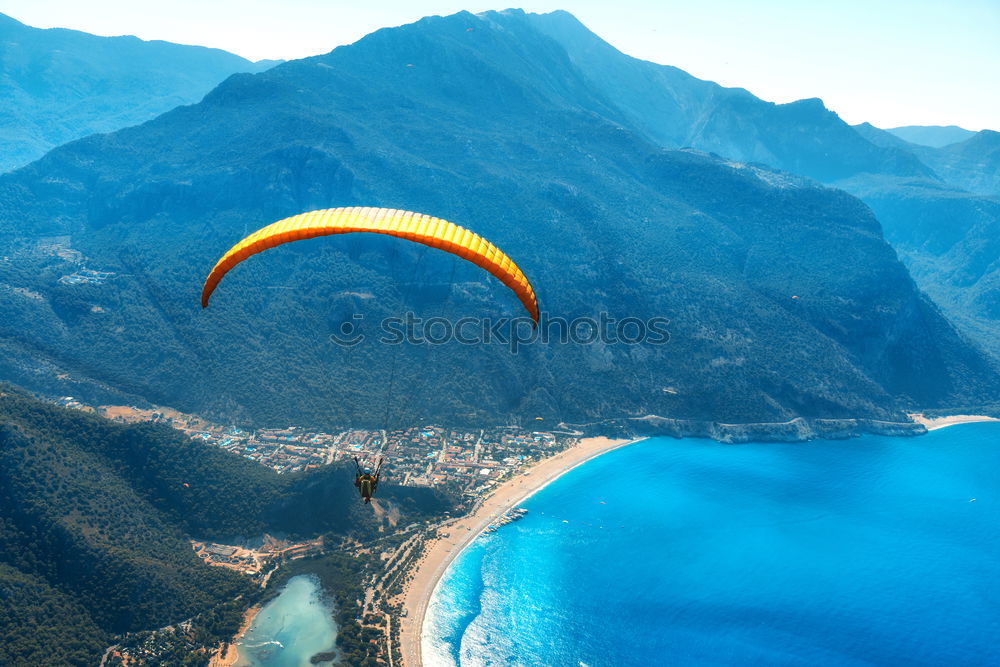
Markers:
<point>783,297</point>
<point>972,164</point>
<point>884,138</point>
<point>936,136</point>
<point>59,85</point>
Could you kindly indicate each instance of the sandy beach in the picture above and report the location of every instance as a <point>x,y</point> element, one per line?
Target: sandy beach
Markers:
<point>231,655</point>
<point>934,423</point>
<point>459,532</point>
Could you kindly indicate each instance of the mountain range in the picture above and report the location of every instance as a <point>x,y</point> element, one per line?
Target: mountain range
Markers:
<point>59,85</point>
<point>783,297</point>
<point>676,110</point>
<point>948,185</point>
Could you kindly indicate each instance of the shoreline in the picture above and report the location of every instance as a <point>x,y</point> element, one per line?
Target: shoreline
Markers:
<point>460,532</point>
<point>934,423</point>
<point>231,656</point>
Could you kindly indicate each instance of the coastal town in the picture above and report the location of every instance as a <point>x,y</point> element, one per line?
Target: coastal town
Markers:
<point>476,460</point>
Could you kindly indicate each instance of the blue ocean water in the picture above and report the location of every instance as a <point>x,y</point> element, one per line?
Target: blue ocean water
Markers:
<point>867,551</point>
<point>290,629</point>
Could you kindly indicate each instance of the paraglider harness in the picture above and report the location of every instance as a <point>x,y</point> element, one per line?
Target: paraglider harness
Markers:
<point>367,482</point>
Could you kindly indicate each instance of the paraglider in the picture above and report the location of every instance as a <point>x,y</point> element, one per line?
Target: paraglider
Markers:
<point>417,227</point>
<point>366,481</point>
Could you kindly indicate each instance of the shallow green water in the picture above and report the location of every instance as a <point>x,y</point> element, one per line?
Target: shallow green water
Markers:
<point>290,629</point>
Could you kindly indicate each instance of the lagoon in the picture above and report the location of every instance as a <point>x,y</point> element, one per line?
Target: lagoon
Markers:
<point>291,628</point>
<point>868,551</point>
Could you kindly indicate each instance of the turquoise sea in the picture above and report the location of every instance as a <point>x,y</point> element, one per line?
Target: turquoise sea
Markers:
<point>868,551</point>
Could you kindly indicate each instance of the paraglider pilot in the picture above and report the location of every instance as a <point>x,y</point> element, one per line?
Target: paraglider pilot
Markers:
<point>365,481</point>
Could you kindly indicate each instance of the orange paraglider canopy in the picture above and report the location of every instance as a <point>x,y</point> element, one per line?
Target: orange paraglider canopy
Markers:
<point>417,227</point>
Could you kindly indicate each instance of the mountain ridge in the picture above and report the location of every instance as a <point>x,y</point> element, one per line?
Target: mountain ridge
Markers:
<point>64,84</point>
<point>935,136</point>
<point>677,109</point>
<point>451,116</point>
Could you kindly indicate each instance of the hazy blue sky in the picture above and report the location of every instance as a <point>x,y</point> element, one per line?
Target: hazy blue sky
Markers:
<point>890,62</point>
